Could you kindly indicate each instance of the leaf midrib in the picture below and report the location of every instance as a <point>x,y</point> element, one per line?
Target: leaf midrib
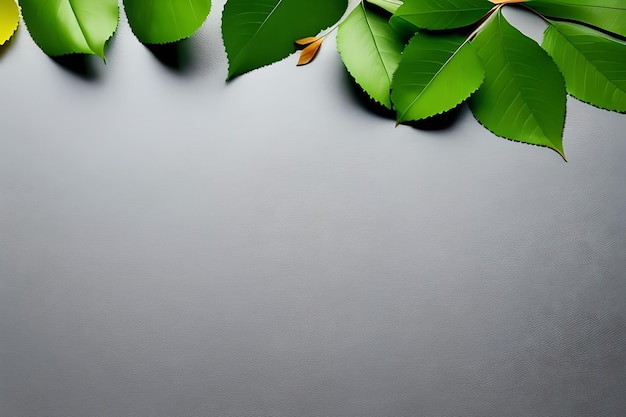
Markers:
<point>432,79</point>
<point>371,32</point>
<point>249,42</point>
<point>516,77</point>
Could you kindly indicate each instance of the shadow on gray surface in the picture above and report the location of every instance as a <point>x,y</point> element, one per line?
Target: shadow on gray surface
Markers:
<point>437,122</point>
<point>5,47</point>
<point>80,65</point>
<point>176,56</point>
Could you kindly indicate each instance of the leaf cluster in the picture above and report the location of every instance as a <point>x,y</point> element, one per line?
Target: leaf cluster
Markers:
<point>460,50</point>
<point>419,58</point>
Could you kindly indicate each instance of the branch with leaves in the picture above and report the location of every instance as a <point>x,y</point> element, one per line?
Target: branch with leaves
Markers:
<point>419,58</point>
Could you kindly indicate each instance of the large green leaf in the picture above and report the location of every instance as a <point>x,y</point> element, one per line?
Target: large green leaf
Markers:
<point>390,5</point>
<point>440,14</point>
<point>9,19</point>
<point>435,74</point>
<point>163,21</point>
<point>62,27</point>
<point>593,64</point>
<point>605,14</point>
<point>259,32</point>
<point>523,95</point>
<point>370,50</point>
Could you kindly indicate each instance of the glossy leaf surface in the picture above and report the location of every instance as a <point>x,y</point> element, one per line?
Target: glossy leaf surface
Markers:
<point>9,19</point>
<point>62,27</point>
<point>259,32</point>
<point>605,14</point>
<point>370,50</point>
<point>593,64</point>
<point>523,95</point>
<point>441,14</point>
<point>164,21</point>
<point>435,74</point>
<point>389,5</point>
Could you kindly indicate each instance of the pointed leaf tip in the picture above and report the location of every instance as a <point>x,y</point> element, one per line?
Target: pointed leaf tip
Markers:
<point>253,40</point>
<point>310,52</point>
<point>436,73</point>
<point>518,100</point>
<point>61,27</point>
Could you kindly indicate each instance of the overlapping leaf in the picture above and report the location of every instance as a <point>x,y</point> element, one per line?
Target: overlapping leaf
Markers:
<point>389,5</point>
<point>62,27</point>
<point>260,32</point>
<point>605,14</point>
<point>435,74</point>
<point>593,64</point>
<point>440,14</point>
<point>164,21</point>
<point>370,50</point>
<point>523,95</point>
<point>9,19</point>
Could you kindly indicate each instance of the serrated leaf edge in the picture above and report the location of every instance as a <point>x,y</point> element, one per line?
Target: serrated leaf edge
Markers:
<point>82,32</point>
<point>590,63</point>
<point>17,24</point>
<point>446,110</point>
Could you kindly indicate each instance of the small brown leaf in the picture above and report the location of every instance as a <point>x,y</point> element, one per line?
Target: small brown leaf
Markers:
<point>308,53</point>
<point>306,41</point>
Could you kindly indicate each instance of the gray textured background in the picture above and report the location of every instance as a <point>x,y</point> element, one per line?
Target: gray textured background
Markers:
<point>172,245</point>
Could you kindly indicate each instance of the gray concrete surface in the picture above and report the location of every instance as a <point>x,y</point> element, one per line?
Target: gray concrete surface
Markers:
<point>175,246</point>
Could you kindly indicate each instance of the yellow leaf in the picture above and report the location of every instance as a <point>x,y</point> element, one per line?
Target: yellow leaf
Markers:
<point>306,41</point>
<point>507,1</point>
<point>308,53</point>
<point>9,19</point>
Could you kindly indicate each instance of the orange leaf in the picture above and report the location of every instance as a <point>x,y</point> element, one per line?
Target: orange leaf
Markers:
<point>306,41</point>
<point>309,52</point>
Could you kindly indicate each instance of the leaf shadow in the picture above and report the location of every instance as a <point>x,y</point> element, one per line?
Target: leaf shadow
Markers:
<point>80,65</point>
<point>175,56</point>
<point>5,46</point>
<point>441,121</point>
<point>360,96</point>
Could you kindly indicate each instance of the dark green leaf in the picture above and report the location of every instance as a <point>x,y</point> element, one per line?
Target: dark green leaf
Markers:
<point>593,64</point>
<point>62,27</point>
<point>435,74</point>
<point>605,14</point>
<point>370,50</point>
<point>164,21</point>
<point>523,95</point>
<point>441,14</point>
<point>260,32</point>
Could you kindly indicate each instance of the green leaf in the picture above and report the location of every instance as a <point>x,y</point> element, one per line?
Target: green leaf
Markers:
<point>164,21</point>
<point>370,50</point>
<point>62,27</point>
<point>435,74</point>
<point>609,15</point>
<point>9,19</point>
<point>389,5</point>
<point>593,64</point>
<point>523,95</point>
<point>441,14</point>
<point>259,32</point>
